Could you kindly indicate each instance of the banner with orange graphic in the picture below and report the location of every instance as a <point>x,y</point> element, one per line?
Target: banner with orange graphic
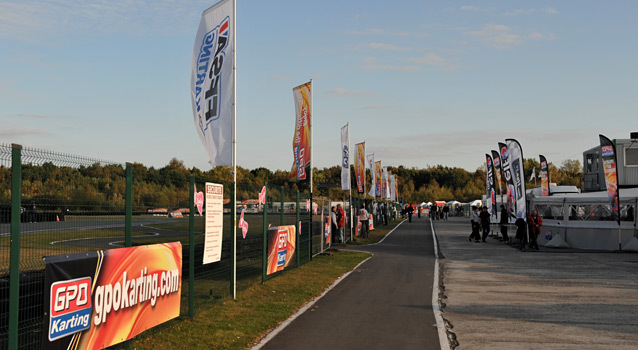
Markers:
<point>281,247</point>
<point>378,179</point>
<point>360,166</point>
<point>97,299</point>
<point>301,141</point>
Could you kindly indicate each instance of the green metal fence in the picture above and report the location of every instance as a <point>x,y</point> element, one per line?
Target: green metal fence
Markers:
<point>53,203</point>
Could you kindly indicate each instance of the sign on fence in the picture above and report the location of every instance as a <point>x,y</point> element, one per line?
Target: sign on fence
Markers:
<point>281,247</point>
<point>98,299</point>
<point>214,226</point>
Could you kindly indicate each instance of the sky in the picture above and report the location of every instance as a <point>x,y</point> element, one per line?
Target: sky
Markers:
<point>423,83</point>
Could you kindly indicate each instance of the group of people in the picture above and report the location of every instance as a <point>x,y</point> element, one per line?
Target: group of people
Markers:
<point>338,223</point>
<point>480,221</point>
<point>439,213</point>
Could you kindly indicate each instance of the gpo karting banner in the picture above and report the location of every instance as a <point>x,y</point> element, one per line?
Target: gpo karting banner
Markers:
<point>489,184</point>
<point>516,165</point>
<point>301,141</point>
<point>608,153</point>
<point>213,82</point>
<point>507,174</point>
<point>544,175</point>
<point>360,166</point>
<point>97,299</point>
<point>345,158</point>
<point>281,247</point>
<point>378,179</point>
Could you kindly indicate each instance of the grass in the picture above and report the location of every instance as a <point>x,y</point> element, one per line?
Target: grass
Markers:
<point>380,231</point>
<point>238,324</point>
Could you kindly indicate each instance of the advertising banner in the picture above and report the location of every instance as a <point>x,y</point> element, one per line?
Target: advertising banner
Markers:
<point>393,187</point>
<point>544,175</point>
<point>608,154</point>
<point>358,233</point>
<point>214,223</point>
<point>373,180</point>
<point>371,223</point>
<point>385,183</point>
<point>490,192</point>
<point>97,299</point>
<point>496,160</point>
<point>301,141</point>
<point>360,166</point>
<point>515,157</point>
<point>213,82</point>
<point>281,247</point>
<point>508,178</point>
<point>345,158</point>
<point>378,179</point>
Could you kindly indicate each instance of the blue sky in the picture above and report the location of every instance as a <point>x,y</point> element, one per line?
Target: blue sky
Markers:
<point>422,82</point>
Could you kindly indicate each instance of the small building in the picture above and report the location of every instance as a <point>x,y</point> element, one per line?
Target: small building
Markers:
<point>627,166</point>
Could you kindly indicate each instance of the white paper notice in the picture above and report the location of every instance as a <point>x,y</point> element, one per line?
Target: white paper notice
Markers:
<point>214,225</point>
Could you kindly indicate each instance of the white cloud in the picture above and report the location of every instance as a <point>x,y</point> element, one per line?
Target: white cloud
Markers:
<point>550,10</point>
<point>520,12</point>
<point>383,46</point>
<point>469,8</point>
<point>12,131</point>
<point>371,64</point>
<point>497,35</point>
<point>541,36</point>
<point>342,91</point>
<point>429,59</point>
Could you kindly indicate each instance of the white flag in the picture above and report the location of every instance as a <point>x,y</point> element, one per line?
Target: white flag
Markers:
<point>386,183</point>
<point>213,82</point>
<point>345,158</point>
<point>370,160</point>
<point>533,174</point>
<point>515,159</point>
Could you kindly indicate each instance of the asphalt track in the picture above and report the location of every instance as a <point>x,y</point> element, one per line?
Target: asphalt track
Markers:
<point>384,304</point>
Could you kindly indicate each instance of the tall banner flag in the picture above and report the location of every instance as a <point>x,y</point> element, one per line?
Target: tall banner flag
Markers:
<point>544,175</point>
<point>386,183</point>
<point>608,153</point>
<point>496,160</point>
<point>393,187</point>
<point>360,166</point>
<point>345,158</point>
<point>396,188</point>
<point>489,185</point>
<point>213,82</point>
<point>516,165</point>
<point>378,179</point>
<point>373,180</point>
<point>507,174</point>
<point>301,141</point>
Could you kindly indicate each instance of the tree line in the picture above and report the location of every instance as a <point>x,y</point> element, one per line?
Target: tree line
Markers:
<point>102,187</point>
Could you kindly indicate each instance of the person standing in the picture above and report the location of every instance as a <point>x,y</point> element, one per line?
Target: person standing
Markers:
<point>446,212</point>
<point>485,222</point>
<point>474,221</point>
<point>521,233</point>
<point>505,219</point>
<point>409,209</point>
<point>334,227</point>
<point>535,222</point>
<point>433,213</point>
<point>341,221</point>
<point>364,216</point>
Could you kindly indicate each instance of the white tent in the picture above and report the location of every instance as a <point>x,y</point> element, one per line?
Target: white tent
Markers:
<point>476,202</point>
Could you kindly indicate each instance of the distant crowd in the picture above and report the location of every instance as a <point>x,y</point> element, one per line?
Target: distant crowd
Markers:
<point>526,231</point>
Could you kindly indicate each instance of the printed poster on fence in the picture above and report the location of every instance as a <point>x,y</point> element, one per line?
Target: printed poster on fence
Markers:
<point>97,299</point>
<point>214,225</point>
<point>281,247</point>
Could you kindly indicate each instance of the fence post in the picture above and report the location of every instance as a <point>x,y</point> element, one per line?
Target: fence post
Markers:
<point>128,207</point>
<point>14,262</point>
<point>298,224</point>
<point>191,247</point>
<point>264,259</point>
<point>281,221</point>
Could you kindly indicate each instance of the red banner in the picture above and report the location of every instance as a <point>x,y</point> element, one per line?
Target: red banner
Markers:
<point>281,247</point>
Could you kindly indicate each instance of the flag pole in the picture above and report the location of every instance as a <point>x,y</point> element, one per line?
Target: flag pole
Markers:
<point>350,184</point>
<point>311,132</point>
<point>234,214</point>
